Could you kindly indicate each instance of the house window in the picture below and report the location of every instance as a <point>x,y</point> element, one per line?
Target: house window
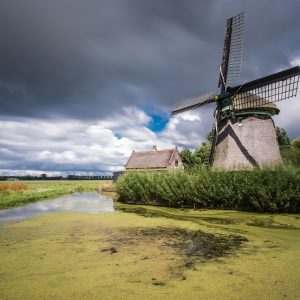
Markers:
<point>176,163</point>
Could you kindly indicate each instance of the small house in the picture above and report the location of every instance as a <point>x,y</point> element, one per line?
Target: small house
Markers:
<point>154,160</point>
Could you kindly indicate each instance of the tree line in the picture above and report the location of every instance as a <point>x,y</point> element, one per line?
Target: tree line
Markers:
<point>45,177</point>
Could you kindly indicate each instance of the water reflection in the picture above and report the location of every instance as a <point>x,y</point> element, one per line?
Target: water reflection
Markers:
<point>91,203</point>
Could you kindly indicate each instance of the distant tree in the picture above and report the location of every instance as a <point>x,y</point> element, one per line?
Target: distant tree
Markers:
<point>282,138</point>
<point>291,155</point>
<point>202,153</point>
<point>296,143</point>
<point>187,157</point>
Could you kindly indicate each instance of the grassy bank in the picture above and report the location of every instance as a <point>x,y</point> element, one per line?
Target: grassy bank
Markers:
<point>258,190</point>
<point>68,256</point>
<point>22,192</point>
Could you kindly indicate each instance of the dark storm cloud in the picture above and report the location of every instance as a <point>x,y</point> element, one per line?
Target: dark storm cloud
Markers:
<point>83,59</point>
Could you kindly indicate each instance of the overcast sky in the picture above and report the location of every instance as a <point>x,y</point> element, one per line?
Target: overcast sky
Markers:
<point>84,82</point>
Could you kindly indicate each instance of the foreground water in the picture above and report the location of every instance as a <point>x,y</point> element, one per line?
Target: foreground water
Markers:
<point>144,252</point>
<point>90,203</point>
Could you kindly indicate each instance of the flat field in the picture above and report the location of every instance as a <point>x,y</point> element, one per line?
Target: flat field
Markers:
<point>144,252</point>
<point>15,193</point>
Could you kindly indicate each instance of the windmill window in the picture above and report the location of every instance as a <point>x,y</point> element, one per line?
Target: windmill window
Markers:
<point>176,163</point>
<point>240,121</point>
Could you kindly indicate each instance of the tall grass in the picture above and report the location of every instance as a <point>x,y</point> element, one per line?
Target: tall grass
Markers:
<point>258,190</point>
<point>12,187</point>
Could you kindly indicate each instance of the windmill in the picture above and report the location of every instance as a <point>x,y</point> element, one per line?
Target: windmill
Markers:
<point>244,132</point>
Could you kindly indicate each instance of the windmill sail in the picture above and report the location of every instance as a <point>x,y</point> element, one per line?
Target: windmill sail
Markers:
<point>195,102</point>
<point>232,51</point>
<point>233,148</point>
<point>269,89</point>
<point>236,48</point>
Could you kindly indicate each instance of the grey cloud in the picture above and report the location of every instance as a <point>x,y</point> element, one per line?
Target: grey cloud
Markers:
<point>289,116</point>
<point>85,59</point>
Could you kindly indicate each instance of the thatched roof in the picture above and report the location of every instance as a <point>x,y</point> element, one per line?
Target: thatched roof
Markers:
<point>247,100</point>
<point>150,159</point>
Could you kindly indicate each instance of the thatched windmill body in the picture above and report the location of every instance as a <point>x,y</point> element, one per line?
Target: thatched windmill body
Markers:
<point>244,132</point>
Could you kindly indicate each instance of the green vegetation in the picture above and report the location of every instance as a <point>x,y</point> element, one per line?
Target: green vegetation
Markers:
<point>197,158</point>
<point>225,255</point>
<point>282,138</point>
<point>290,150</point>
<point>258,190</point>
<point>22,192</point>
<point>200,155</point>
<point>291,154</point>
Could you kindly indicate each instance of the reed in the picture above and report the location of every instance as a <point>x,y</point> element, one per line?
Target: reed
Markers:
<point>267,190</point>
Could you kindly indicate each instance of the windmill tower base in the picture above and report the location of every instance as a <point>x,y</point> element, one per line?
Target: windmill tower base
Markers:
<point>246,142</point>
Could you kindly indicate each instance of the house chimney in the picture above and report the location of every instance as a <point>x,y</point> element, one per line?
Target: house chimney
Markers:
<point>154,147</point>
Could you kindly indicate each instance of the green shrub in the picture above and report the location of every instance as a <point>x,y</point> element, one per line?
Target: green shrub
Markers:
<point>258,190</point>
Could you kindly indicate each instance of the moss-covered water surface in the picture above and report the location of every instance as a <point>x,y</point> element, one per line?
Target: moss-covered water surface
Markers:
<point>142,252</point>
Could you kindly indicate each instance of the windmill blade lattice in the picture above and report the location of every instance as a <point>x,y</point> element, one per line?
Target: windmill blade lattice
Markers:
<point>194,102</point>
<point>266,90</point>
<point>232,51</point>
<point>236,48</point>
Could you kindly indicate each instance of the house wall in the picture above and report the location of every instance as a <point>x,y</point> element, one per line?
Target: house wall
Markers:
<point>176,156</point>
